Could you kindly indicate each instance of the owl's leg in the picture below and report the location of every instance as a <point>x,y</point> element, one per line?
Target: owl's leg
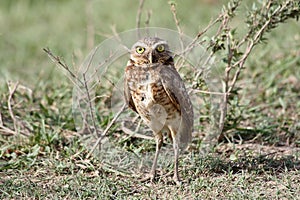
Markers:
<point>159,142</point>
<point>176,155</point>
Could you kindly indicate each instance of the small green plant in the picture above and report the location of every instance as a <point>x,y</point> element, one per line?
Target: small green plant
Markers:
<point>234,48</point>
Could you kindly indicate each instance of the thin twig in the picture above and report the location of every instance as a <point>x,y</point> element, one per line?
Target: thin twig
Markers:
<point>110,168</point>
<point>106,130</point>
<point>90,61</point>
<point>11,93</point>
<point>1,121</point>
<point>208,59</point>
<point>173,10</point>
<point>58,61</point>
<point>90,105</point>
<point>139,16</point>
<point>6,131</point>
<point>96,69</point>
<point>209,26</point>
<point>116,35</point>
<point>136,135</point>
<point>226,94</point>
<point>207,92</point>
<point>75,79</point>
<point>16,123</point>
<point>147,22</point>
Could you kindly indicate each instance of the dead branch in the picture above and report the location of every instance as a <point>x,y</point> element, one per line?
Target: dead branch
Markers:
<point>175,18</point>
<point>1,121</point>
<point>57,60</point>
<point>106,130</point>
<point>147,22</point>
<point>18,125</point>
<point>90,105</point>
<point>11,93</point>
<point>135,134</point>
<point>139,16</point>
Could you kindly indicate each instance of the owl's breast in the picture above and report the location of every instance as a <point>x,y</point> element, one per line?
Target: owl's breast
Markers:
<point>145,89</point>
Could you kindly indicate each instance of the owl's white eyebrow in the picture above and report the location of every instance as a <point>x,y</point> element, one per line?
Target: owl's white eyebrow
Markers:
<point>161,42</point>
<point>139,44</point>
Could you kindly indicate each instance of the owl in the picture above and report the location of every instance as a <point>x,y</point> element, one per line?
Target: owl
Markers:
<point>155,91</point>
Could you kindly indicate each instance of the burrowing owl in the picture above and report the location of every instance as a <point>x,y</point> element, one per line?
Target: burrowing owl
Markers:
<point>154,90</point>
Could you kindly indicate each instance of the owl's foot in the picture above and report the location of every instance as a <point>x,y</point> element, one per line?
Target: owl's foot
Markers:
<point>176,179</point>
<point>149,177</point>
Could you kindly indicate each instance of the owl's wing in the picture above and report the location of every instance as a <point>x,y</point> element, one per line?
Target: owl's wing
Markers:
<point>174,87</point>
<point>128,97</point>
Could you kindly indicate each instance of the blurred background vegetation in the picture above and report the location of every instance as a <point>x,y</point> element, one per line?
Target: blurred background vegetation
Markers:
<point>30,25</point>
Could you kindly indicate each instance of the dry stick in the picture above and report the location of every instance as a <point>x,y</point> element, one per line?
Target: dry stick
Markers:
<point>15,121</point>
<point>61,63</point>
<point>83,83</point>
<point>4,130</point>
<point>227,92</point>
<point>75,78</point>
<point>138,17</point>
<point>90,105</point>
<point>193,43</point>
<point>11,93</point>
<point>211,24</point>
<point>134,134</point>
<point>147,22</point>
<point>87,90</point>
<point>116,35</point>
<point>106,130</point>
<point>190,46</point>
<point>1,121</point>
<point>200,71</point>
<point>173,10</point>
<point>206,92</point>
<point>90,60</point>
<point>96,71</point>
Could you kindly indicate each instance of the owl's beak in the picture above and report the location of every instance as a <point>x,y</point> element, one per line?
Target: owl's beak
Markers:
<point>150,57</point>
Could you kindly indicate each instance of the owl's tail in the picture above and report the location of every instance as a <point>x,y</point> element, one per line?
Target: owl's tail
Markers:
<point>184,135</point>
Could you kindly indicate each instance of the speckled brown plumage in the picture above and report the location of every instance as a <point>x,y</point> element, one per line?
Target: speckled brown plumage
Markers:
<point>154,90</point>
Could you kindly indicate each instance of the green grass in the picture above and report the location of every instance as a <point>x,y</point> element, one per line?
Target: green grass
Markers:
<point>258,160</point>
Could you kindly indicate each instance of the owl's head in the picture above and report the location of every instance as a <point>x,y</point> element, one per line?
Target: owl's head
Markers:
<point>150,51</point>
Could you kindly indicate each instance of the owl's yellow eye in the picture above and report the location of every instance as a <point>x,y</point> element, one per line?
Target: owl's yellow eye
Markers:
<point>140,50</point>
<point>160,48</point>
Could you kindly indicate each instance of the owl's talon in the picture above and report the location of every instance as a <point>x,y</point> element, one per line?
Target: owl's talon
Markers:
<point>149,177</point>
<point>177,180</point>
